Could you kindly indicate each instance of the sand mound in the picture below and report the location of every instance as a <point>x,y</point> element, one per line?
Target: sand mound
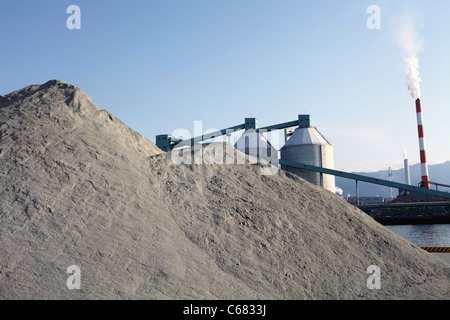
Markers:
<point>81,188</point>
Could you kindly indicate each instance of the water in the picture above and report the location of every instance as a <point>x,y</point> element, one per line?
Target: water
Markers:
<point>434,235</point>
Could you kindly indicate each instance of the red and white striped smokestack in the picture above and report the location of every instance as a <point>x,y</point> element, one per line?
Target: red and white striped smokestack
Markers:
<point>423,156</point>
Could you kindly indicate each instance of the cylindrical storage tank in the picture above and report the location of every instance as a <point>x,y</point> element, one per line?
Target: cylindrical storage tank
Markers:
<point>308,146</point>
<point>255,144</point>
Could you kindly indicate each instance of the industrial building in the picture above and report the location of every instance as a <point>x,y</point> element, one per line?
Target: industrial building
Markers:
<point>253,143</point>
<point>307,145</point>
<point>307,154</point>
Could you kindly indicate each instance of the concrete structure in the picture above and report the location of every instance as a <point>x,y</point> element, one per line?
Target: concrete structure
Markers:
<point>255,144</point>
<point>407,174</point>
<point>306,145</point>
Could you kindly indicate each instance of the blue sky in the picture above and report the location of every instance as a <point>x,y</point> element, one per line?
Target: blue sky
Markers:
<point>161,65</point>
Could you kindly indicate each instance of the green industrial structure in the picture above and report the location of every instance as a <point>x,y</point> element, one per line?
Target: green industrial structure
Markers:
<point>167,143</point>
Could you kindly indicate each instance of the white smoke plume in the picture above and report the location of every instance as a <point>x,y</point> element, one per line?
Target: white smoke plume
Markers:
<point>411,44</point>
<point>405,153</point>
<point>413,76</point>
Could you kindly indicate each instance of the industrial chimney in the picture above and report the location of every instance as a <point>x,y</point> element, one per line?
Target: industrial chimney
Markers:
<point>407,174</point>
<point>425,182</point>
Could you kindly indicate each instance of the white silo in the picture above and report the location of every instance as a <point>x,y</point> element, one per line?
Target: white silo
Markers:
<point>255,144</point>
<point>308,146</point>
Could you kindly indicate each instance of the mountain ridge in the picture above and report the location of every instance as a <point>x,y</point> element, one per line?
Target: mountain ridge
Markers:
<point>439,173</point>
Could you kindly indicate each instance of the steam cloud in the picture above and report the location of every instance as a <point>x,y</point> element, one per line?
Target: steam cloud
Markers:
<point>411,44</point>
<point>413,76</point>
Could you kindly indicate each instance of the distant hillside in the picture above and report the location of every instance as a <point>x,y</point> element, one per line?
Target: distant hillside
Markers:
<point>438,173</point>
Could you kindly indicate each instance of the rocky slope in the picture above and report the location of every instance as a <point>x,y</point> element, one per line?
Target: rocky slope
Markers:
<point>79,187</point>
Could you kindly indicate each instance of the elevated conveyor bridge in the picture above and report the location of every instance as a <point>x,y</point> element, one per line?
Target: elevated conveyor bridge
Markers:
<point>167,143</point>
